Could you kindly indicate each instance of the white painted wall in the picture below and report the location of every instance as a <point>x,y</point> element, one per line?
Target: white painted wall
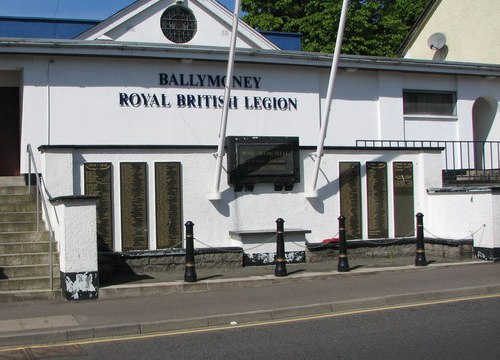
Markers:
<point>76,235</point>
<point>76,100</point>
<point>462,215</point>
<point>257,210</point>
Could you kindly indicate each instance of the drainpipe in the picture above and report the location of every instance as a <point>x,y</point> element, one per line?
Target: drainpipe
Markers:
<point>216,195</point>
<point>313,192</point>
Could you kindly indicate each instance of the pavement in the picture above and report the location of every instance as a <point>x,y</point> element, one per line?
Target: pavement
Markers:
<point>163,302</point>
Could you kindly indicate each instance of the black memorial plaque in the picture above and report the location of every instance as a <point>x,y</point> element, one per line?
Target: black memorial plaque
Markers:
<point>404,218</point>
<point>350,198</point>
<point>134,204</point>
<point>376,181</point>
<point>98,182</point>
<point>168,204</point>
<point>263,160</point>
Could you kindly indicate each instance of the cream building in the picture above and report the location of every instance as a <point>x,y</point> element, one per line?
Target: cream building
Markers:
<point>451,30</point>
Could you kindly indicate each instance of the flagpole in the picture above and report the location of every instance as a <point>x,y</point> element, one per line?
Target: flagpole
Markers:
<point>313,192</point>
<point>216,195</point>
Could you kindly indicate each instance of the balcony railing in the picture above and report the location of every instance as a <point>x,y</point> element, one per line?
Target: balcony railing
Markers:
<point>464,162</point>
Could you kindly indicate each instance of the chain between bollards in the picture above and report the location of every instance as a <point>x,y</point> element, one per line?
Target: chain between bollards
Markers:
<point>420,259</point>
<point>280,269</point>
<point>190,270</point>
<point>343,265</point>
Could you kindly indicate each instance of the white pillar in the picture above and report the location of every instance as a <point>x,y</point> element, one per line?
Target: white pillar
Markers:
<point>76,234</point>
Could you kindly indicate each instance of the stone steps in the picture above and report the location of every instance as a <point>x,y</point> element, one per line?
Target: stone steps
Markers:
<point>18,207</point>
<point>19,216</point>
<point>20,226</point>
<point>17,198</point>
<point>29,295</point>
<point>8,181</point>
<point>24,246</point>
<point>32,283</point>
<point>15,190</point>
<point>27,259</point>
<point>23,271</point>
<point>24,236</point>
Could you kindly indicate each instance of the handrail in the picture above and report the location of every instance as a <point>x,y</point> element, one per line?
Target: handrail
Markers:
<point>39,194</point>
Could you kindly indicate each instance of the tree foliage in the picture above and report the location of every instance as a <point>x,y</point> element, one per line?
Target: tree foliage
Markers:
<point>374,27</point>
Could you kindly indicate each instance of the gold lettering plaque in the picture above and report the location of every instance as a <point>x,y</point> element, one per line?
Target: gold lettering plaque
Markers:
<point>404,218</point>
<point>98,182</point>
<point>168,204</point>
<point>134,204</point>
<point>350,198</point>
<point>376,181</point>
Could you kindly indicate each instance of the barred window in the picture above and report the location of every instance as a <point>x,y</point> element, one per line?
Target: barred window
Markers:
<point>429,103</point>
<point>178,24</point>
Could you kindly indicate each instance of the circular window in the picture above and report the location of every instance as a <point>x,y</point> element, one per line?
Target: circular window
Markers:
<point>178,24</point>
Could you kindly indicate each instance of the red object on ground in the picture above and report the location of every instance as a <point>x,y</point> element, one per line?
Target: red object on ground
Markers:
<point>332,240</point>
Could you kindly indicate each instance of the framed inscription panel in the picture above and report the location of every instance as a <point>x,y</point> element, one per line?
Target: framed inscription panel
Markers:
<point>262,159</point>
<point>98,179</point>
<point>134,206</point>
<point>404,218</point>
<point>168,205</point>
<point>350,198</point>
<point>376,184</point>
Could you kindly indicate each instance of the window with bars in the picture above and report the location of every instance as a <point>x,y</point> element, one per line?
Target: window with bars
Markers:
<point>429,103</point>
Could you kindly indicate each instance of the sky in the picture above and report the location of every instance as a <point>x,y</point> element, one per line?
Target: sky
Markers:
<point>70,9</point>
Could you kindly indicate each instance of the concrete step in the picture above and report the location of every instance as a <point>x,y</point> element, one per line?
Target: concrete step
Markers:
<point>17,199</point>
<point>26,247</point>
<point>29,295</point>
<point>19,216</point>
<point>19,226</point>
<point>12,181</point>
<point>20,207</point>
<point>23,271</point>
<point>24,236</point>
<point>27,259</point>
<point>15,190</point>
<point>28,283</point>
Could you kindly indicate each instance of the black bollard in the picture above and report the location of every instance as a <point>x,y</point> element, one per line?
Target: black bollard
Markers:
<point>190,271</point>
<point>280,269</point>
<point>343,265</point>
<point>420,256</point>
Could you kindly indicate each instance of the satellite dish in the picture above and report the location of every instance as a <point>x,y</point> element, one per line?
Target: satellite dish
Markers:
<point>436,41</point>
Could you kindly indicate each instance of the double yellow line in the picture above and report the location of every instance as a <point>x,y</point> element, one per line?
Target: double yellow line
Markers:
<point>256,324</point>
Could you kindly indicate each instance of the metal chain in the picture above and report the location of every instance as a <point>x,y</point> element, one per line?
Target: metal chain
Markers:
<point>464,238</point>
<point>251,248</point>
<point>319,245</point>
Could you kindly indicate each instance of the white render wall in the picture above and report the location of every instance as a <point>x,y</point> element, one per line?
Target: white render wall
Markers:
<point>76,100</point>
<point>461,215</point>
<point>76,235</point>
<point>256,210</point>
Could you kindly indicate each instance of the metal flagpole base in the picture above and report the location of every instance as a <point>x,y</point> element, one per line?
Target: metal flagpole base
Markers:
<point>215,196</point>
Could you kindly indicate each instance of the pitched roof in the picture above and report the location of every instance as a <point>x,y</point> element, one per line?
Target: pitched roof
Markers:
<point>418,26</point>
<point>139,22</point>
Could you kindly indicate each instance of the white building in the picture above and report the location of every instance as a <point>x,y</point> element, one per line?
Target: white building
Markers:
<point>131,111</point>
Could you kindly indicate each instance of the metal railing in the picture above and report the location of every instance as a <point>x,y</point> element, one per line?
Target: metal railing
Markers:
<point>463,161</point>
<point>41,204</point>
